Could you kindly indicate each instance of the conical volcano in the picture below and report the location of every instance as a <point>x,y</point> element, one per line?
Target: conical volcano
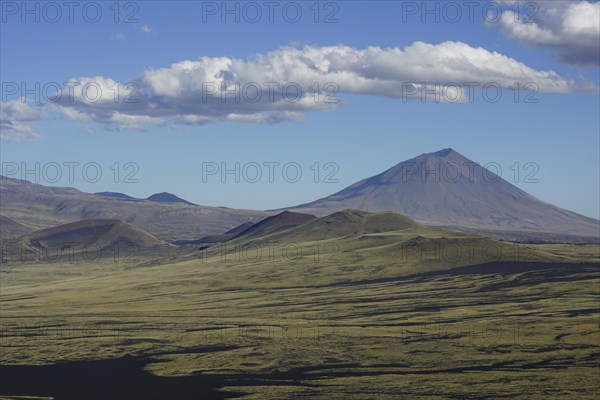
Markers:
<point>445,188</point>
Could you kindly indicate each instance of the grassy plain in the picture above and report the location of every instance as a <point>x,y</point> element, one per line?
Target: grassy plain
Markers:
<point>415,313</point>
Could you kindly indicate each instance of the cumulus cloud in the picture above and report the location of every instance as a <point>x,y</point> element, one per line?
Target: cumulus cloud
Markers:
<point>14,119</point>
<point>134,122</point>
<point>105,101</point>
<point>572,28</point>
<point>285,84</point>
<point>288,82</point>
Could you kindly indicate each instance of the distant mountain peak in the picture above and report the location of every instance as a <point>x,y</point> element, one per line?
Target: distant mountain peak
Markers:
<point>445,188</point>
<point>165,197</point>
<point>445,152</point>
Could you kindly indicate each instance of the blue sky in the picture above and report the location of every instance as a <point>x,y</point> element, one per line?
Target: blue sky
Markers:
<point>370,129</point>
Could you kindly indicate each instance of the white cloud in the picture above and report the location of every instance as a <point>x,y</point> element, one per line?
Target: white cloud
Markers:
<point>14,116</point>
<point>105,101</point>
<point>146,29</point>
<point>134,122</point>
<point>16,132</point>
<point>119,36</point>
<point>97,91</point>
<point>73,114</point>
<point>372,71</point>
<point>570,27</point>
<point>284,84</point>
<point>266,117</point>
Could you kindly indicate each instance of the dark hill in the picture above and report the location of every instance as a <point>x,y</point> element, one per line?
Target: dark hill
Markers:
<point>347,223</point>
<point>275,223</point>
<point>92,233</point>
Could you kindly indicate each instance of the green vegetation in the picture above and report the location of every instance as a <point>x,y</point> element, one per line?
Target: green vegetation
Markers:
<point>371,306</point>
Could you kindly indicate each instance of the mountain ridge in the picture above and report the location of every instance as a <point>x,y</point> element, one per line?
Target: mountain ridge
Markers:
<point>444,188</point>
<point>39,207</point>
